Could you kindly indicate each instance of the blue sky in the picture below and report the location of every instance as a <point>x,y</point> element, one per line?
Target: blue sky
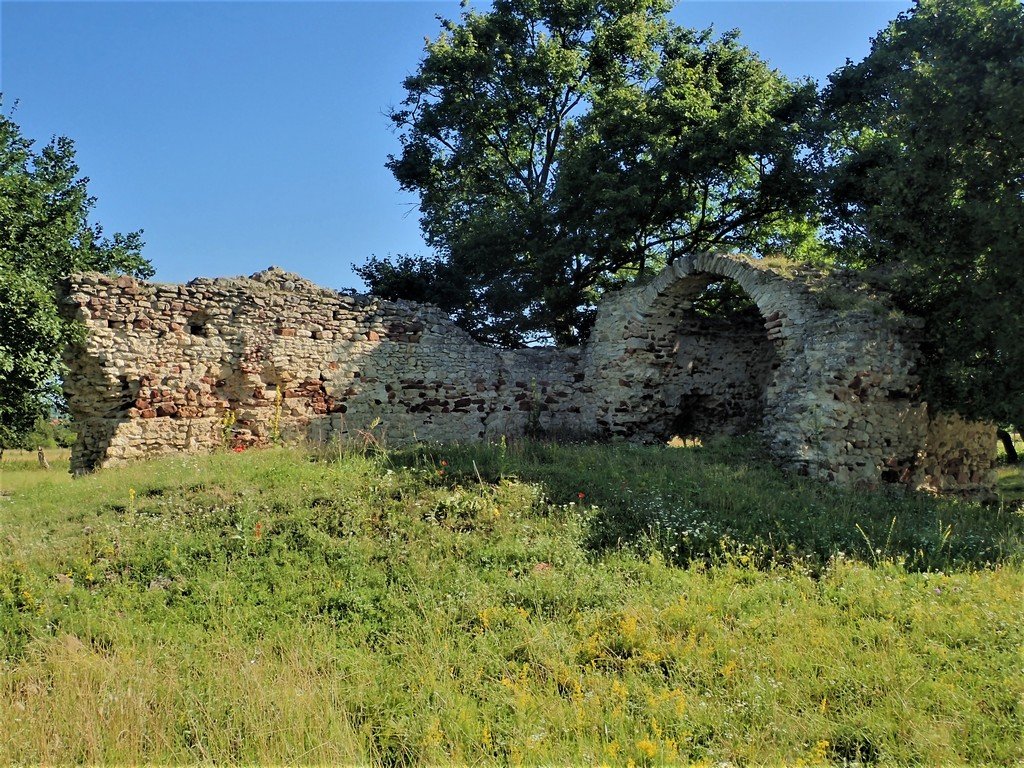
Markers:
<point>244,134</point>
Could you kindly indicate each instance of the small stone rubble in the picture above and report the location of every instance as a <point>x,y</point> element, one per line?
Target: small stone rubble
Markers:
<point>234,363</point>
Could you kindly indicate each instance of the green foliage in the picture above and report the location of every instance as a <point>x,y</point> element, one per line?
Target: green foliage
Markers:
<point>266,608</point>
<point>560,149</point>
<point>46,432</point>
<point>925,180</point>
<point>50,433</point>
<point>30,331</point>
<point>44,236</point>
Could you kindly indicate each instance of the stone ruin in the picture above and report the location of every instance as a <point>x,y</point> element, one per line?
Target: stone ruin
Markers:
<point>825,373</point>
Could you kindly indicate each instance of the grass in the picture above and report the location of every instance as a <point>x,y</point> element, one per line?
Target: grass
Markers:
<point>1011,477</point>
<point>468,605</point>
<point>1011,485</point>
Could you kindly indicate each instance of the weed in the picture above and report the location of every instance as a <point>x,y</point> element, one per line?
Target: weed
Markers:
<point>533,428</point>
<point>227,428</point>
<point>275,423</point>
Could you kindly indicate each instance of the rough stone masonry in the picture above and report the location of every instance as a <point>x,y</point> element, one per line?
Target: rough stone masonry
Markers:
<point>824,371</point>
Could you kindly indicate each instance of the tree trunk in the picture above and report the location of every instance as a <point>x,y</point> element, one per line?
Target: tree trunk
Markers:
<point>1007,441</point>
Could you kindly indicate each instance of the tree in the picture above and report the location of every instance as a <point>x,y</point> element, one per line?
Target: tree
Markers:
<point>561,148</point>
<point>924,180</point>
<point>45,235</point>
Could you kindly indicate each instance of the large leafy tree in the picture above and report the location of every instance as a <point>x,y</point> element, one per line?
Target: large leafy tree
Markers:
<point>45,235</point>
<point>559,148</point>
<point>925,180</point>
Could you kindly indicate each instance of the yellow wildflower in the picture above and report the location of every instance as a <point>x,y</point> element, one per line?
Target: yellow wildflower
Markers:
<point>820,752</point>
<point>627,626</point>
<point>647,747</point>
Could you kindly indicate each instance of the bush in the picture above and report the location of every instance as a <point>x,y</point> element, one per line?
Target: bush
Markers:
<point>48,433</point>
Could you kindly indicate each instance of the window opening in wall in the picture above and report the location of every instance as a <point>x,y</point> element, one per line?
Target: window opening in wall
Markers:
<point>197,324</point>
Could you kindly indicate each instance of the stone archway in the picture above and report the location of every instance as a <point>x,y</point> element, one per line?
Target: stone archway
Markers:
<point>839,398</point>
<point>720,363</point>
<point>657,366</point>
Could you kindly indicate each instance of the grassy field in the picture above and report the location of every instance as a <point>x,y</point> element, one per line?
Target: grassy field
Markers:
<point>502,604</point>
<point>1011,478</point>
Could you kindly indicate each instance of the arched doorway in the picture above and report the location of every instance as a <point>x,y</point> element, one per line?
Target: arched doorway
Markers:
<point>721,364</point>
<point>693,353</point>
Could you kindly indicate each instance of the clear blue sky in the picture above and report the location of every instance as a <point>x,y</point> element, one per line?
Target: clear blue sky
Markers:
<point>244,134</point>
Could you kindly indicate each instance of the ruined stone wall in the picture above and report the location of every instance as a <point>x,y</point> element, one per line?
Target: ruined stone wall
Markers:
<point>958,457</point>
<point>718,378</point>
<point>670,371</point>
<point>840,397</point>
<point>241,362</point>
<point>831,386</point>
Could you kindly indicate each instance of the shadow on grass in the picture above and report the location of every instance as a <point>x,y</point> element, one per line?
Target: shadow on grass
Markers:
<point>1011,485</point>
<point>726,502</point>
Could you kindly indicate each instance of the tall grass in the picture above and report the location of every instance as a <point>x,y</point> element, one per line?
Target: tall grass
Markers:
<point>468,605</point>
<point>725,500</point>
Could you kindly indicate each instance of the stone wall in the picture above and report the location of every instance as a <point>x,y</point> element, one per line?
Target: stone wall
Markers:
<point>840,396</point>
<point>241,362</point>
<point>717,379</point>
<point>823,370</point>
<point>958,457</point>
